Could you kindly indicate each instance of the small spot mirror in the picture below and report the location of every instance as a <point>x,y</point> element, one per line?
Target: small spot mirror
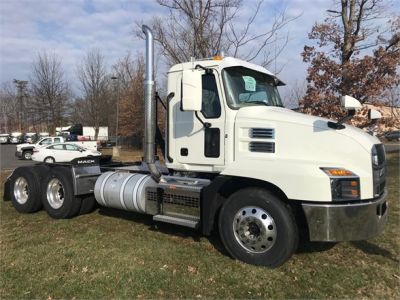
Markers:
<point>350,103</point>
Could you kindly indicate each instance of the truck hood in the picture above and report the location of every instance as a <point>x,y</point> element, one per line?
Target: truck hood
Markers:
<point>318,124</point>
<point>25,145</point>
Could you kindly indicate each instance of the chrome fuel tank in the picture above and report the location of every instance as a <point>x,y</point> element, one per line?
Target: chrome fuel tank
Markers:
<point>123,190</point>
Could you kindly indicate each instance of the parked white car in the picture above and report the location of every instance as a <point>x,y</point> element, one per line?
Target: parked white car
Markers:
<point>4,138</point>
<point>63,152</point>
<point>25,151</point>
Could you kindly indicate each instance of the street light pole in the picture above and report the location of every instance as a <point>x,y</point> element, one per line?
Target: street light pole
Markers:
<point>116,125</point>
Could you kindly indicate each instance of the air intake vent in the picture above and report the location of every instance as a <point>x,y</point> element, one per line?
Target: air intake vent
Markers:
<point>262,133</point>
<point>262,147</point>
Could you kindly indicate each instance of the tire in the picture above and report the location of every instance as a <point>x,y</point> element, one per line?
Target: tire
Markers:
<point>258,228</point>
<point>25,191</point>
<point>49,160</point>
<point>58,196</point>
<point>89,204</point>
<point>27,155</point>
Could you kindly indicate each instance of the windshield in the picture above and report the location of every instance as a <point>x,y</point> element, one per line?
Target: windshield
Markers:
<point>245,87</point>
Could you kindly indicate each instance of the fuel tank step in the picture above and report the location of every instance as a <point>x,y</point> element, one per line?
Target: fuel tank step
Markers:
<point>176,221</point>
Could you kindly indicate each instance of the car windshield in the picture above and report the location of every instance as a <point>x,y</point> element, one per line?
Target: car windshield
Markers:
<point>245,87</point>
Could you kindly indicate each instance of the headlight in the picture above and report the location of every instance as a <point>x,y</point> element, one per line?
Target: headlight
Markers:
<point>345,185</point>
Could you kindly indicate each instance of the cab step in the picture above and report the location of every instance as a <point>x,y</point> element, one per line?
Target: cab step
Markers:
<point>176,221</point>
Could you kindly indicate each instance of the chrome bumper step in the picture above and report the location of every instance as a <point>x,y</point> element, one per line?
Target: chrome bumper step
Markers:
<point>176,221</point>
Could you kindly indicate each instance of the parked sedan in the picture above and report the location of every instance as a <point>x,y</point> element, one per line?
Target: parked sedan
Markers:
<point>393,135</point>
<point>62,152</point>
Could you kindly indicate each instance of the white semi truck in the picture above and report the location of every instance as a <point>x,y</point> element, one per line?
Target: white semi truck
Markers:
<point>236,161</point>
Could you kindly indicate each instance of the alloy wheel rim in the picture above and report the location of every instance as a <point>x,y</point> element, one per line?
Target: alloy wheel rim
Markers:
<point>21,191</point>
<point>254,229</point>
<point>55,193</point>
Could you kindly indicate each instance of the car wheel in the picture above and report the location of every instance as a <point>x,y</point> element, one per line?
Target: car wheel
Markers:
<point>49,160</point>
<point>258,228</point>
<point>27,155</point>
<point>58,196</point>
<point>25,193</point>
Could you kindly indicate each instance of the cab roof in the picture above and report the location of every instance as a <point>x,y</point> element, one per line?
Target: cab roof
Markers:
<point>226,62</point>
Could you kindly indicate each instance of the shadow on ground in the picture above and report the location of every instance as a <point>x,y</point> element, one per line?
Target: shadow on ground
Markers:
<point>305,246</point>
<point>369,248</point>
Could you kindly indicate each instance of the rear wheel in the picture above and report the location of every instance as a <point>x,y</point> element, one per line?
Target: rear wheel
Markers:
<point>49,160</point>
<point>258,228</point>
<point>25,191</point>
<point>58,197</point>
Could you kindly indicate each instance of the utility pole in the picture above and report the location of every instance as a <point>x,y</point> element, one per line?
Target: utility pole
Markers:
<point>21,86</point>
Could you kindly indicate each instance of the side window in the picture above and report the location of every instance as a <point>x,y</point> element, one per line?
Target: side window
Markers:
<point>57,147</point>
<point>57,140</point>
<point>71,147</point>
<point>45,142</point>
<point>211,106</point>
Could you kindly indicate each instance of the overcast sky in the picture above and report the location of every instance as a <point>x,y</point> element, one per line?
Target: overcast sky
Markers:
<point>72,27</point>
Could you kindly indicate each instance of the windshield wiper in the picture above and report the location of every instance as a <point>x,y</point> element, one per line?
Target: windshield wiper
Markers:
<point>258,102</point>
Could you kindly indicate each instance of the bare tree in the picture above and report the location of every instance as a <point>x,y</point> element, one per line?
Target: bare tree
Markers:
<point>8,108</point>
<point>295,94</point>
<point>393,102</point>
<point>50,91</point>
<point>204,28</point>
<point>94,79</point>
<point>130,74</point>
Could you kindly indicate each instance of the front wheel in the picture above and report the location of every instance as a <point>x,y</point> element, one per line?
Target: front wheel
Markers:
<point>27,155</point>
<point>258,228</point>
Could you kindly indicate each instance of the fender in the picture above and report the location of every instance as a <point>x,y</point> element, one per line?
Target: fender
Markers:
<point>27,148</point>
<point>298,179</point>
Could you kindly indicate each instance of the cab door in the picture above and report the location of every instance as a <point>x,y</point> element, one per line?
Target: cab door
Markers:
<point>199,136</point>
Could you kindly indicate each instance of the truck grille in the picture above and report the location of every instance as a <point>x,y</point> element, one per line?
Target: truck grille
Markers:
<point>379,171</point>
<point>380,149</point>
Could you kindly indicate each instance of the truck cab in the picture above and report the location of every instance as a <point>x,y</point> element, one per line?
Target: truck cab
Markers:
<point>242,129</point>
<point>225,117</point>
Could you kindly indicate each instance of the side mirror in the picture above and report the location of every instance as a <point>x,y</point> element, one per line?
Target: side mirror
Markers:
<point>373,114</point>
<point>191,90</point>
<point>350,103</point>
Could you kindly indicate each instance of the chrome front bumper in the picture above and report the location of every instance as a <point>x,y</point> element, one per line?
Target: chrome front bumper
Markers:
<point>346,222</point>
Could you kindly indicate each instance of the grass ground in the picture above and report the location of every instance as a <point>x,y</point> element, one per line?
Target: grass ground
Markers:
<point>111,254</point>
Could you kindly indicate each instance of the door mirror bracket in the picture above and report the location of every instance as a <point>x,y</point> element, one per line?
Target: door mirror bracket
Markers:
<point>205,124</point>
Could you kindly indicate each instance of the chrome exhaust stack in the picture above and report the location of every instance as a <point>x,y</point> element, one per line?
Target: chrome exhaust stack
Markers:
<point>150,107</point>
